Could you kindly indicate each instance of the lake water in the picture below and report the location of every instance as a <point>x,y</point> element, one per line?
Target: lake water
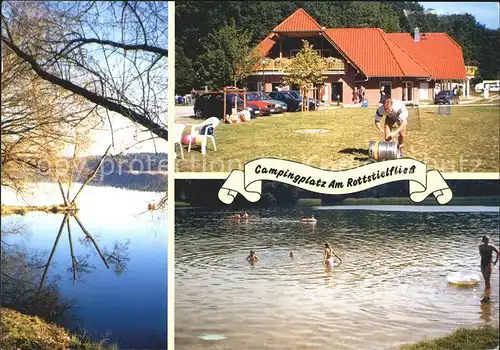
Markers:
<point>125,303</point>
<point>390,290</point>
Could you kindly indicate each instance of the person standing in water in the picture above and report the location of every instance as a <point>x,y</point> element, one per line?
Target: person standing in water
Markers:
<point>252,258</point>
<point>291,255</point>
<point>327,256</point>
<point>486,251</point>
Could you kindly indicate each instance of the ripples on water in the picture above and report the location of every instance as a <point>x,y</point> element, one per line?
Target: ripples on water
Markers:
<point>390,290</point>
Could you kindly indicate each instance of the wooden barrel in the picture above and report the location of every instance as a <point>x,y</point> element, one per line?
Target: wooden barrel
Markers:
<point>383,150</point>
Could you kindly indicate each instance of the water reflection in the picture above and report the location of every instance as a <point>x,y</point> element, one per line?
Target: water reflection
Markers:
<point>21,287</point>
<point>99,271</point>
<point>486,311</point>
<point>390,289</point>
<point>118,257</point>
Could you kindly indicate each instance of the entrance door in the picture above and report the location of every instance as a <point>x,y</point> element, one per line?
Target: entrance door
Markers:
<point>387,85</point>
<point>407,94</point>
<point>424,91</point>
<point>326,92</point>
<point>337,93</point>
<point>252,86</point>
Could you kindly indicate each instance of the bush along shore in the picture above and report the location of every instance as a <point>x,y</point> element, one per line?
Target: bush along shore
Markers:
<point>22,210</point>
<point>482,338</point>
<point>20,331</point>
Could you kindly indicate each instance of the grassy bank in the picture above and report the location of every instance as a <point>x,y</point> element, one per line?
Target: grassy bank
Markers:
<point>308,202</point>
<point>20,331</point>
<point>465,141</point>
<point>469,201</point>
<point>463,339</point>
<point>386,201</point>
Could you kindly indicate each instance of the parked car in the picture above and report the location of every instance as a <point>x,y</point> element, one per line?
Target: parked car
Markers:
<point>293,104</point>
<point>212,104</point>
<point>252,106</point>
<point>446,97</point>
<point>276,105</point>
<point>266,107</point>
<point>313,104</point>
<point>493,85</point>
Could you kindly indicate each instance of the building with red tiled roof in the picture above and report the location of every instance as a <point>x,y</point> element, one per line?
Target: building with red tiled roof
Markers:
<point>439,53</point>
<point>407,67</point>
<point>299,21</point>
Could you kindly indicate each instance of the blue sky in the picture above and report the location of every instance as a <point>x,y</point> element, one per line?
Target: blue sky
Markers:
<point>484,12</point>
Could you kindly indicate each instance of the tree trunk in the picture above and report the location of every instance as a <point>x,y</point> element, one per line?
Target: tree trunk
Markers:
<point>91,176</point>
<point>66,216</point>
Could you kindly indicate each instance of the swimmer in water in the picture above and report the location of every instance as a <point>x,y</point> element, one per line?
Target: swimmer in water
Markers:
<point>308,218</point>
<point>291,255</point>
<point>486,251</point>
<point>327,256</point>
<point>252,258</point>
<point>245,216</point>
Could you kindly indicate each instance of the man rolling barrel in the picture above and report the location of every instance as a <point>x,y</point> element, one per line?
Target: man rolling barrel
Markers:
<point>396,114</point>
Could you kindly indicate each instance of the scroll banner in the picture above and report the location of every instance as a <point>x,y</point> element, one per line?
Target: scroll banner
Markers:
<point>248,182</point>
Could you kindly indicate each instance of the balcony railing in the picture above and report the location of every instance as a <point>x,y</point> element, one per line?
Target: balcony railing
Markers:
<point>280,64</point>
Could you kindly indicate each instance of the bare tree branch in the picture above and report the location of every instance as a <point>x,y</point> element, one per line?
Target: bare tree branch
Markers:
<point>112,54</point>
<point>83,41</point>
<point>89,95</point>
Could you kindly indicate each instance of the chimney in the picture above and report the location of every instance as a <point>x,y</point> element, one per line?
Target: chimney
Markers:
<point>416,36</point>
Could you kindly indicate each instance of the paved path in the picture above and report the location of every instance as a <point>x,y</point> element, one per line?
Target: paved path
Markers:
<point>183,111</point>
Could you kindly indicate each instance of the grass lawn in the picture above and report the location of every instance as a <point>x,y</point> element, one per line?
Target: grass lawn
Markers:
<point>463,339</point>
<point>465,141</point>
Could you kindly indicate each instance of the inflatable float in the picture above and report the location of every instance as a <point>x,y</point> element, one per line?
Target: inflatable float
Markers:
<point>463,278</point>
<point>307,219</point>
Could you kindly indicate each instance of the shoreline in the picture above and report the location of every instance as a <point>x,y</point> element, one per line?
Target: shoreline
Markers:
<point>24,209</point>
<point>483,337</point>
<point>493,201</point>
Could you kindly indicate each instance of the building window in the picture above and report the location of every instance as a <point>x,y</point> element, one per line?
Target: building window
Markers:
<point>326,53</point>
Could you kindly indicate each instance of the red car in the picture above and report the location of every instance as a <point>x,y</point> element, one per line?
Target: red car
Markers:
<point>266,107</point>
<point>279,106</point>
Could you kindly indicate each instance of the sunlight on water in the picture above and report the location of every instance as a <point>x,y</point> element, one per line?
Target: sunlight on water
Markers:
<point>391,289</point>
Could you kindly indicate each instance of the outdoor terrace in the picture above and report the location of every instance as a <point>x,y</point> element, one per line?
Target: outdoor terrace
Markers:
<point>334,65</point>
